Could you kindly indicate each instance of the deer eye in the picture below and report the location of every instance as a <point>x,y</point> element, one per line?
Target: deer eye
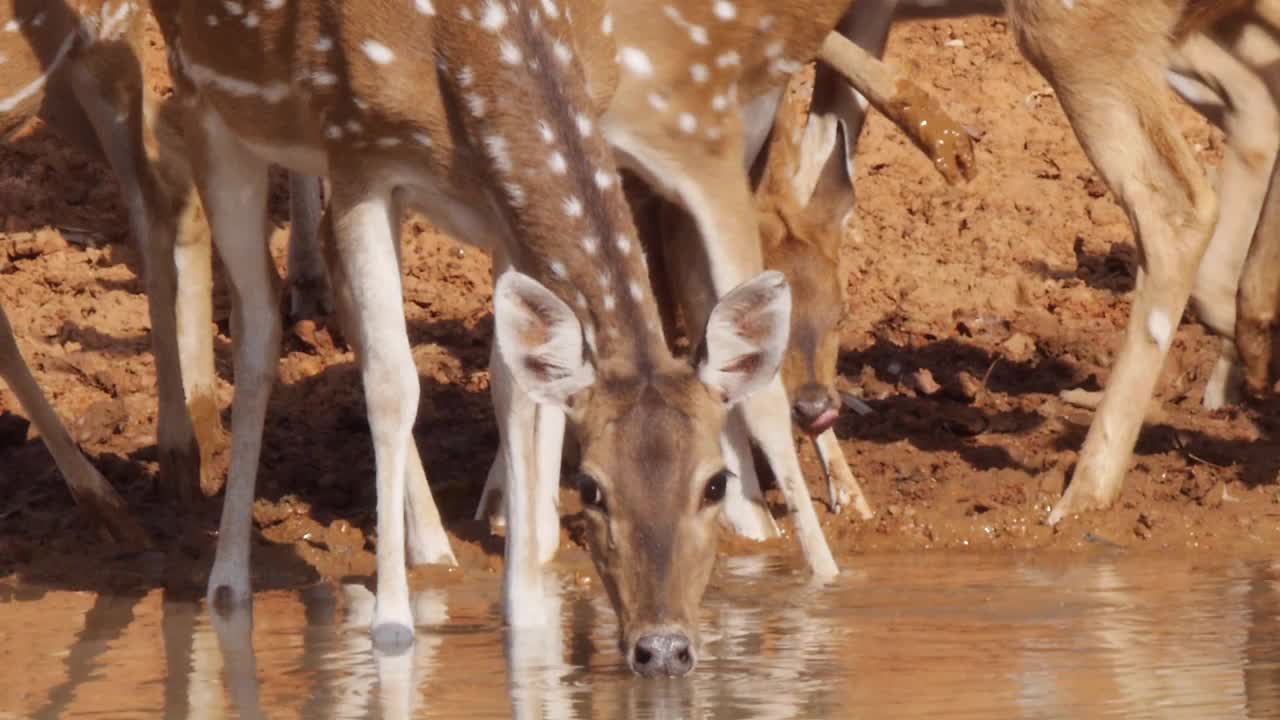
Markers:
<point>713,492</point>
<point>591,492</point>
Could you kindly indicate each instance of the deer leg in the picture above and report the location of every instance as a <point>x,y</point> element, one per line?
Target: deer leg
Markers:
<point>1125,124</point>
<point>713,188</point>
<point>308,286</point>
<point>366,232</point>
<point>1252,124</point>
<point>107,86</point>
<point>233,187</point>
<point>527,472</point>
<point>1259,295</point>
<point>842,486</point>
<point>90,490</point>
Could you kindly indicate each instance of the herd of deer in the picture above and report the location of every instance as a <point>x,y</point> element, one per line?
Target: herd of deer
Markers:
<point>509,123</point>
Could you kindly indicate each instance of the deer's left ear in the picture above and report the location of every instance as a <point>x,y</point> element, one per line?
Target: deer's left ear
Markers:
<point>746,337</point>
<point>540,340</point>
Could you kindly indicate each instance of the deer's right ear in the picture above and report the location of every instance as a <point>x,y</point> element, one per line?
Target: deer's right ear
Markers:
<point>746,337</point>
<point>540,340</point>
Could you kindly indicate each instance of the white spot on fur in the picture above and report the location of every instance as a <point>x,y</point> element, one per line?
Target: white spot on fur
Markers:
<point>544,129</point>
<point>688,123</point>
<point>623,243</point>
<point>591,244</point>
<point>388,142</point>
<point>636,60</point>
<point>377,52</point>
<point>273,4</point>
<point>562,52</point>
<point>324,78</point>
<point>766,22</point>
<point>609,302</point>
<point>549,7</point>
<point>719,103</point>
<point>509,53</point>
<point>573,207</point>
<point>425,7</point>
<point>421,138</point>
<point>556,163</point>
<point>466,76</point>
<point>637,292</point>
<point>558,269</point>
<point>251,20</point>
<point>699,72</point>
<point>604,180</point>
<point>333,132</point>
<point>1160,328</point>
<point>323,43</point>
<point>725,10</point>
<point>584,125</point>
<point>233,7</point>
<point>498,149</point>
<point>477,105</point>
<point>515,193</point>
<point>728,58</point>
<point>212,20</point>
<point>495,16</point>
<point>606,25</point>
<point>658,102</point>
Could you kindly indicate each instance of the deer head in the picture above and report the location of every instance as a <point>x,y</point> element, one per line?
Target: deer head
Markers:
<point>804,198</point>
<point>651,476</point>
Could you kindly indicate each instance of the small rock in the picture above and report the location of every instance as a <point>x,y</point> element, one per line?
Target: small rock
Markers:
<point>1216,495</point>
<point>1020,346</point>
<point>922,380</point>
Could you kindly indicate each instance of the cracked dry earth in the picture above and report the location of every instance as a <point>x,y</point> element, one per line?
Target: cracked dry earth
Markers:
<point>969,309</point>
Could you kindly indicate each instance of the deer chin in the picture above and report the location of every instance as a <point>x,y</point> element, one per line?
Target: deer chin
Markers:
<point>822,423</point>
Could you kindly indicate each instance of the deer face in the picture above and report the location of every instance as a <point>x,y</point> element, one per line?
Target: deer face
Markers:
<point>808,254</point>
<point>652,476</point>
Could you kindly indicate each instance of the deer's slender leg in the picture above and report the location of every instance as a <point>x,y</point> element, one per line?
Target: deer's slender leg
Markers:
<point>107,84</point>
<point>1125,124</point>
<point>1259,295</point>
<point>308,286</point>
<point>1252,126</point>
<point>233,186</point>
<point>366,232</point>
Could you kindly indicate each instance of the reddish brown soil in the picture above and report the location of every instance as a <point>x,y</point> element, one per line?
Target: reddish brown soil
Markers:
<point>1019,280</point>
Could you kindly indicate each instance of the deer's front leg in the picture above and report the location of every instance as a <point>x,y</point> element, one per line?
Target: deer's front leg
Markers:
<point>366,225</point>
<point>233,187</point>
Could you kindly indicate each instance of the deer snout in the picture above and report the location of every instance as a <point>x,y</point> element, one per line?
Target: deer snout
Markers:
<point>662,653</point>
<point>814,408</point>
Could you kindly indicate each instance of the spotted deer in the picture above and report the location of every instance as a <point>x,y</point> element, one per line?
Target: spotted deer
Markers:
<point>688,124</point>
<point>481,116</point>
<point>76,67</point>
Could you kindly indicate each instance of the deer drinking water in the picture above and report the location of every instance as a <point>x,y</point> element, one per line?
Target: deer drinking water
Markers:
<point>479,115</point>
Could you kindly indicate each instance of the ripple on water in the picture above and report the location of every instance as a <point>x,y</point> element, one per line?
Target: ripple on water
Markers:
<point>931,635</point>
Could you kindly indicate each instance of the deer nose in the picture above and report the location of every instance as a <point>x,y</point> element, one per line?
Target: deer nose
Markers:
<point>662,654</point>
<point>814,409</point>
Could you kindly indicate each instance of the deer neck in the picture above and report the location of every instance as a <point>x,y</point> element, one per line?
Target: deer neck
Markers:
<point>554,174</point>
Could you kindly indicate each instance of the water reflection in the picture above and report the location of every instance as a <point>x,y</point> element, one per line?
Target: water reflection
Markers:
<point>907,636</point>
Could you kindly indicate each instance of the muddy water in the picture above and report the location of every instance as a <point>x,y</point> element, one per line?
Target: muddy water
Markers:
<point>899,636</point>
